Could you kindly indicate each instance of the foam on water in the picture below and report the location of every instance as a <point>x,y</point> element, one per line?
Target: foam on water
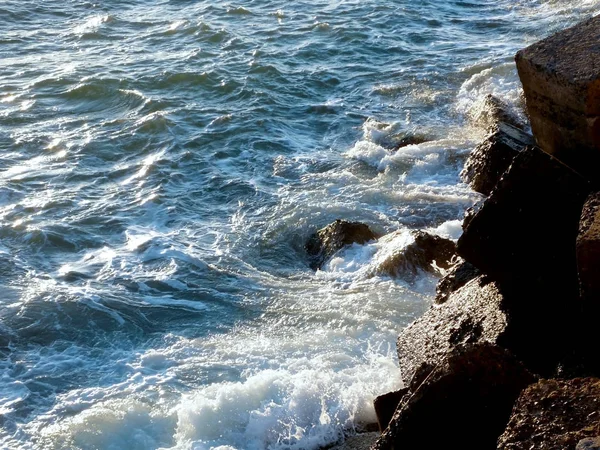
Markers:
<point>162,168</point>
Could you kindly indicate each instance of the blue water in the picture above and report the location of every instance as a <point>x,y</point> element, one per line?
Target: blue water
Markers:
<point>163,163</point>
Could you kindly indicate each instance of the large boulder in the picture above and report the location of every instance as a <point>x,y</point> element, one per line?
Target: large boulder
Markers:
<point>427,252</point>
<point>526,230</point>
<point>464,402</point>
<point>456,277</point>
<point>561,81</point>
<point>555,415</point>
<point>490,159</point>
<point>323,244</point>
<point>486,311</point>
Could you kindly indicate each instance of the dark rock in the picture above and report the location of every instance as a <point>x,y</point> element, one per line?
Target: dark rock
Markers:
<point>362,441</point>
<point>526,229</point>
<point>465,402</point>
<point>561,81</point>
<point>327,241</point>
<point>554,415</point>
<point>492,111</point>
<point>457,276</point>
<point>408,139</point>
<point>589,444</point>
<point>588,253</point>
<point>385,407</point>
<point>426,253</point>
<point>490,159</point>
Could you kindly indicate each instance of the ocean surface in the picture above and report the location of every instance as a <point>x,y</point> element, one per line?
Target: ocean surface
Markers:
<point>162,164</point>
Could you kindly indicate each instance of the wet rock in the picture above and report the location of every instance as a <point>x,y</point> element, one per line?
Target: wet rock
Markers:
<point>362,441</point>
<point>428,252</point>
<point>385,407</point>
<point>408,139</point>
<point>491,111</point>
<point>490,159</point>
<point>464,402</point>
<point>561,81</point>
<point>589,444</point>
<point>327,241</point>
<point>555,414</point>
<point>525,231</point>
<point>457,276</point>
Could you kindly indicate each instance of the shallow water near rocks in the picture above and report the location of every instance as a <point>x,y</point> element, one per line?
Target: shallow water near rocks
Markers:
<point>163,164</point>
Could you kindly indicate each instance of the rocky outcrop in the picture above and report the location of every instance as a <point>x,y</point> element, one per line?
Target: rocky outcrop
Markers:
<point>385,407</point>
<point>490,159</point>
<point>327,241</point>
<point>491,111</point>
<point>428,252</point>
<point>525,231</point>
<point>464,402</point>
<point>561,81</point>
<point>555,415</point>
<point>588,253</point>
<point>456,277</point>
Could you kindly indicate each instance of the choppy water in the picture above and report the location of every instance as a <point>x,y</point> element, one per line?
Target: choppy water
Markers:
<point>163,163</point>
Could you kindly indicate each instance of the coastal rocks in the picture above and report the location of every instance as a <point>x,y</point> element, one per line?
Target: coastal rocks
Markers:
<point>491,111</point>
<point>555,414</point>
<point>490,159</point>
<point>428,252</point>
<point>385,407</point>
<point>589,444</point>
<point>526,229</point>
<point>464,402</point>
<point>323,244</point>
<point>588,252</point>
<point>456,277</point>
<point>561,81</point>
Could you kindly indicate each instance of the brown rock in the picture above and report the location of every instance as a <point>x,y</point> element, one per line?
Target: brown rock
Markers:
<point>426,250</point>
<point>561,81</point>
<point>327,241</point>
<point>457,276</point>
<point>492,111</point>
<point>589,444</point>
<point>465,402</point>
<point>554,415</point>
<point>490,159</point>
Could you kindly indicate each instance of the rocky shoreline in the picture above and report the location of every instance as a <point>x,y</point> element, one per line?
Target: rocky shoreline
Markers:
<point>506,357</point>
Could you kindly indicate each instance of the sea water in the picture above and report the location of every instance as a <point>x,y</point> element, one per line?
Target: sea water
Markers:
<point>162,164</point>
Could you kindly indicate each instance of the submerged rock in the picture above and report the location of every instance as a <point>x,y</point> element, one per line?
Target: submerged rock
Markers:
<point>490,159</point>
<point>323,244</point>
<point>561,81</point>
<point>491,111</point>
<point>428,252</point>
<point>456,277</point>
<point>464,402</point>
<point>556,415</point>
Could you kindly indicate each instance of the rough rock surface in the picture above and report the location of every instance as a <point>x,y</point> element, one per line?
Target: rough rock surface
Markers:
<point>465,402</point>
<point>527,227</point>
<point>490,159</point>
<point>589,444</point>
<point>491,111</point>
<point>554,415</point>
<point>385,407</point>
<point>561,81</point>
<point>362,441</point>
<point>456,277</point>
<point>420,255</point>
<point>588,252</point>
<point>324,243</point>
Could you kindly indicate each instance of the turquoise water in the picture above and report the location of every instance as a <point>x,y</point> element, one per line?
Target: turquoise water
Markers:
<point>163,163</point>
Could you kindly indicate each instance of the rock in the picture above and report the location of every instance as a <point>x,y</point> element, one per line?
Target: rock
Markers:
<point>525,231</point>
<point>554,414</point>
<point>362,441</point>
<point>465,402</point>
<point>327,241</point>
<point>561,81</point>
<point>457,276</point>
<point>588,253</point>
<point>428,252</point>
<point>490,159</point>
<point>491,111</point>
<point>385,407</point>
<point>408,139</point>
<point>589,444</point>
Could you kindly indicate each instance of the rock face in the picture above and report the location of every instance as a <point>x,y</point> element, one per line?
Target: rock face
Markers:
<point>555,415</point>
<point>385,407</point>
<point>561,81</point>
<point>492,111</point>
<point>588,253</point>
<point>324,243</point>
<point>464,402</point>
<point>490,159</point>
<point>420,255</point>
<point>526,229</point>
<point>457,276</point>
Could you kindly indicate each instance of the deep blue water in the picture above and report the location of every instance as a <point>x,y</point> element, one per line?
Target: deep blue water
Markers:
<point>162,165</point>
